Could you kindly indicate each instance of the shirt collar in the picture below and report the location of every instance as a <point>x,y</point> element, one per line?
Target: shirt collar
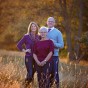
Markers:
<point>51,28</point>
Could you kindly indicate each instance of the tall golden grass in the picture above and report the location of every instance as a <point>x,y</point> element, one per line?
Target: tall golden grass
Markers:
<point>12,72</point>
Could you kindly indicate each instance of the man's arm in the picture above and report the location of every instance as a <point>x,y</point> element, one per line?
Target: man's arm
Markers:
<point>59,43</point>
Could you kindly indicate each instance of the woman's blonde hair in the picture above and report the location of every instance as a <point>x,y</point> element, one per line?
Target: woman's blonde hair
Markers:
<point>29,27</point>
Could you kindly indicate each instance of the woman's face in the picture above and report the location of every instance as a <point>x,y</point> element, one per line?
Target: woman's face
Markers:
<point>43,34</point>
<point>33,28</point>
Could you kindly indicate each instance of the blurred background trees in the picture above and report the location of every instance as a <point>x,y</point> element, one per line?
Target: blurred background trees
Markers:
<point>71,18</point>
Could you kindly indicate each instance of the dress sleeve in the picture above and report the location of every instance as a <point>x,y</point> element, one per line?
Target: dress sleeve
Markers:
<point>51,44</point>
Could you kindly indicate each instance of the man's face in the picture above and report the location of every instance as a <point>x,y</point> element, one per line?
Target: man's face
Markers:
<point>50,22</point>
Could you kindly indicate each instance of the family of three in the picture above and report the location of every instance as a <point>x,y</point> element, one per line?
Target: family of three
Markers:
<point>42,53</point>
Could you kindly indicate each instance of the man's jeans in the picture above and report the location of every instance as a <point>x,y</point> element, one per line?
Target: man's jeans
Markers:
<point>55,74</point>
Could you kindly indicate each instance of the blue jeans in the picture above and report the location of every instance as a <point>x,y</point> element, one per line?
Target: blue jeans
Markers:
<point>43,74</point>
<point>29,63</point>
<point>55,74</point>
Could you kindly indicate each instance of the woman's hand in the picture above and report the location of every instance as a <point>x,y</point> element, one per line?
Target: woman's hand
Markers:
<point>28,50</point>
<point>43,62</point>
<point>38,62</point>
<point>23,50</point>
<point>36,59</point>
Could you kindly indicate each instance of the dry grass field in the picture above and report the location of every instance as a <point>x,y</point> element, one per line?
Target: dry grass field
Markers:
<point>12,72</point>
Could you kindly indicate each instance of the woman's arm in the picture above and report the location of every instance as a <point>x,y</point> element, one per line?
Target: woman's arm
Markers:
<point>47,58</point>
<point>36,59</point>
<point>51,50</point>
<point>35,54</point>
<point>20,43</point>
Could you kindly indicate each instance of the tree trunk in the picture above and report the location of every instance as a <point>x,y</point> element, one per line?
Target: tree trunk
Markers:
<point>77,45</point>
<point>64,13</point>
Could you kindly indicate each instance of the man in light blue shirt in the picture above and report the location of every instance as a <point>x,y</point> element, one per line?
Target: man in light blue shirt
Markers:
<point>56,36</point>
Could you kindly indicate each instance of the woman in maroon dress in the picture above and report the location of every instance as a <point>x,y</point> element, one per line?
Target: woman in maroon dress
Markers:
<point>43,51</point>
